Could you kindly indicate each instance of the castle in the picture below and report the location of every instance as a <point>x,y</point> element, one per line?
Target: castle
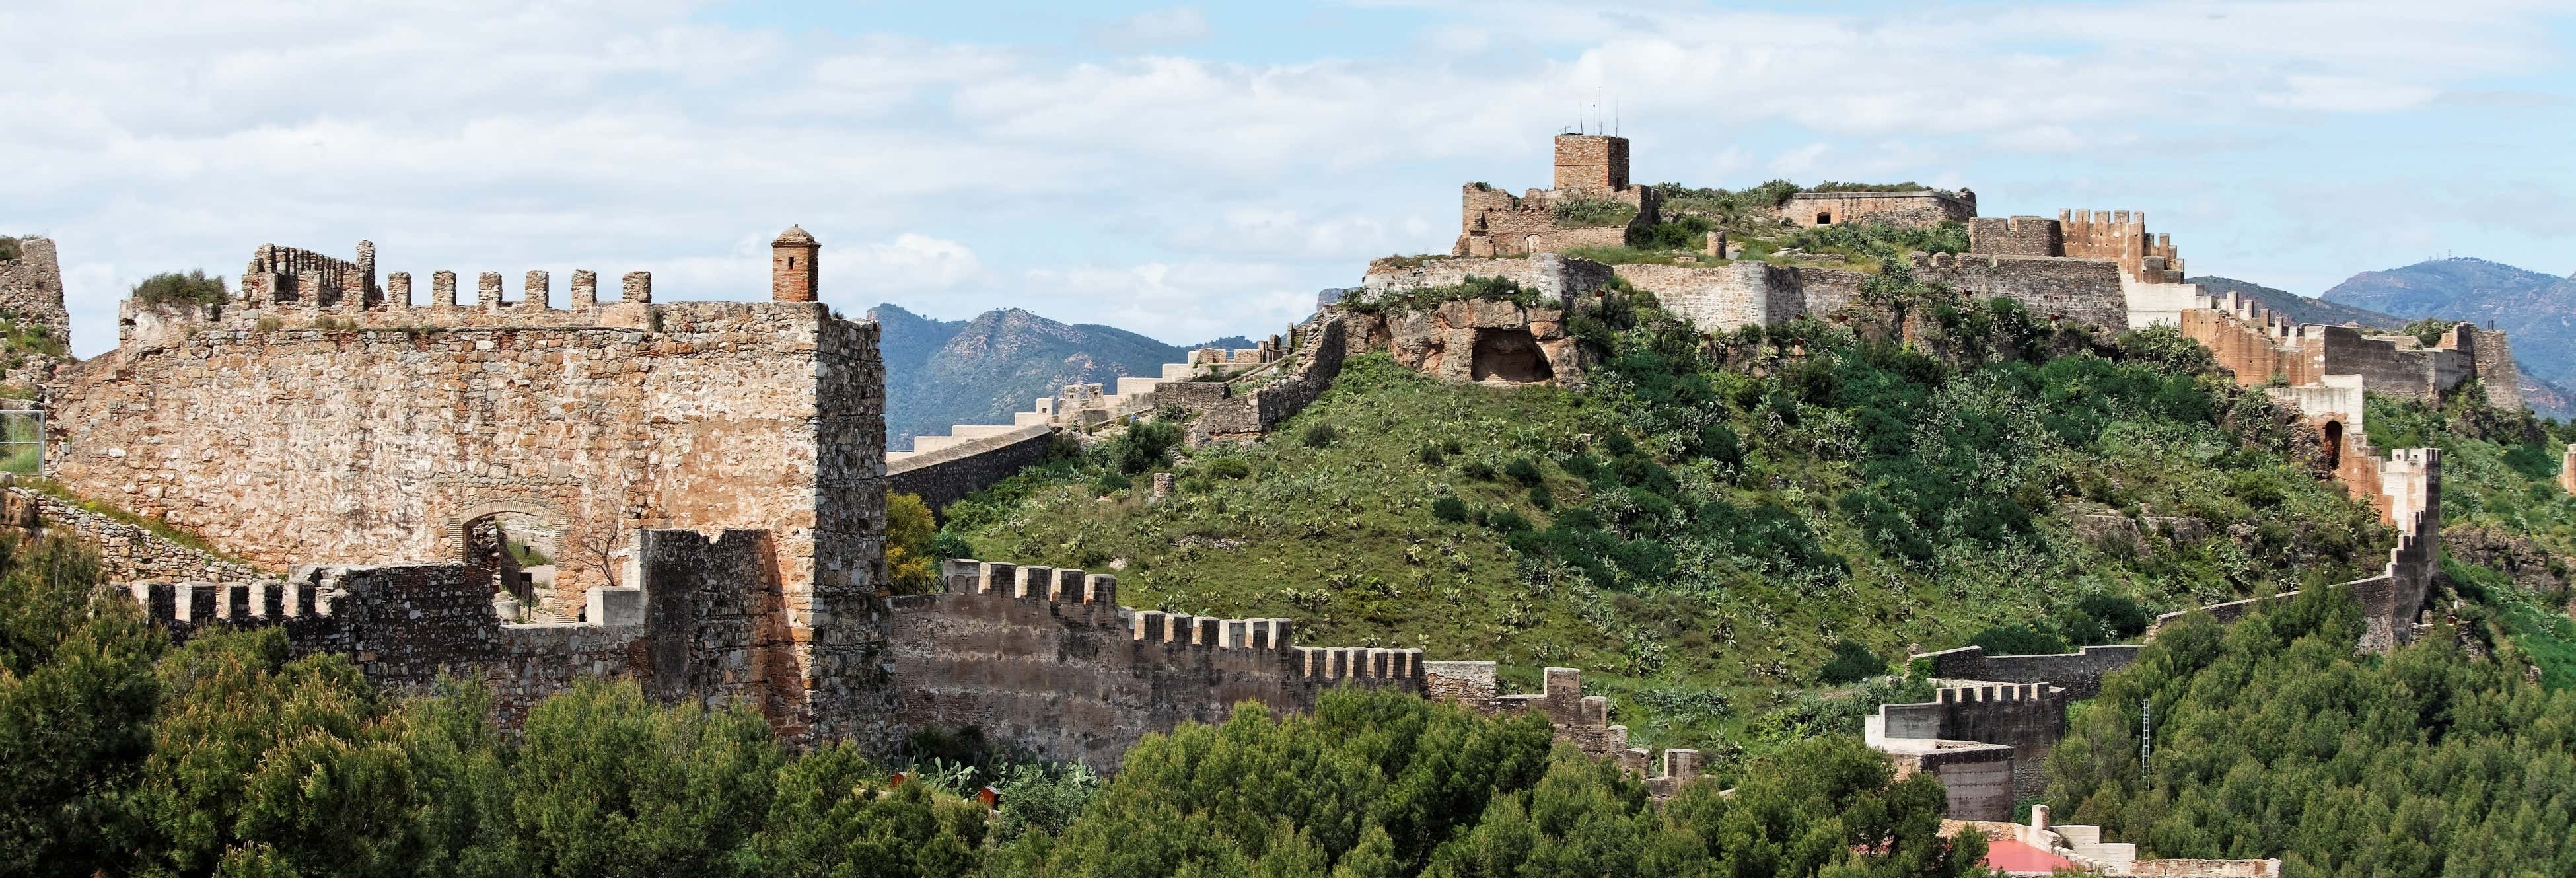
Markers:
<point>709,477</point>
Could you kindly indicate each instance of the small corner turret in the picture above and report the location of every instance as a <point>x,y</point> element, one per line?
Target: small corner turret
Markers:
<point>791,266</point>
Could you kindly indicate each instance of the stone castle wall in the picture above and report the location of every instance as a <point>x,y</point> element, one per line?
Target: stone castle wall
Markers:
<point>126,552</point>
<point>943,475</point>
<point>1046,658</point>
<point>705,637</point>
<point>2078,673</point>
<point>2082,291</point>
<point>371,431</point>
<point>1493,222</point>
<point>31,286</point>
<point>2030,718</point>
<point>2258,346</point>
<point>1917,208</point>
<point>1322,347</point>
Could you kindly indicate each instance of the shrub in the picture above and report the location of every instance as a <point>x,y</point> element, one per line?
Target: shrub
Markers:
<point>8,248</point>
<point>1581,213</point>
<point>1144,446</point>
<point>1431,455</point>
<point>1852,663</point>
<point>1320,436</point>
<point>1506,521</point>
<point>1230,468</point>
<point>1539,497</point>
<point>1478,470</point>
<point>1449,509</point>
<point>2019,639</point>
<point>912,554</point>
<point>171,288</point>
<point>1524,471</point>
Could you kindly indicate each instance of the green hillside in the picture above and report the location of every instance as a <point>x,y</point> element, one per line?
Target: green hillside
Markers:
<point>1721,531</point>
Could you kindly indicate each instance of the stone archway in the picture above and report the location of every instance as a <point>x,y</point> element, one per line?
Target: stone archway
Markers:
<point>515,542</point>
<point>2334,446</point>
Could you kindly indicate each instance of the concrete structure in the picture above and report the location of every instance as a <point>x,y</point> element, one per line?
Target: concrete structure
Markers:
<point>1918,208</point>
<point>1589,168</point>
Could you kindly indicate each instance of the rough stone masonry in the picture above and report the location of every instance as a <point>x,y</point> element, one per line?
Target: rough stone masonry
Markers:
<point>310,421</point>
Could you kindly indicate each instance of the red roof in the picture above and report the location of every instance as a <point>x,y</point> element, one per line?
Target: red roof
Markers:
<point>2014,856</point>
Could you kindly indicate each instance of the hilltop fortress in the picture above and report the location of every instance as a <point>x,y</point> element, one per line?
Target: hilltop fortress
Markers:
<point>709,478</point>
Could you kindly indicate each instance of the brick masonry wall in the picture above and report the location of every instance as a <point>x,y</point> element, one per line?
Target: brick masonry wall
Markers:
<point>31,286</point>
<point>1046,658</point>
<point>126,553</point>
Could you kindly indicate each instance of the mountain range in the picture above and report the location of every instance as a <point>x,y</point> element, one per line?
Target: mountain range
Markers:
<point>941,373</point>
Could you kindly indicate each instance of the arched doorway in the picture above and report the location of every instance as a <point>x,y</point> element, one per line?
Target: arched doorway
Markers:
<point>2334,445</point>
<point>515,545</point>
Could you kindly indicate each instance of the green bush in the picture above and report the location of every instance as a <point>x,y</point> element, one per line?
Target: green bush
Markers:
<point>1320,436</point>
<point>1580,213</point>
<point>1449,509</point>
<point>8,248</point>
<point>1144,446</point>
<point>1230,468</point>
<point>1852,663</point>
<point>171,288</point>
<point>1431,454</point>
<point>1524,471</point>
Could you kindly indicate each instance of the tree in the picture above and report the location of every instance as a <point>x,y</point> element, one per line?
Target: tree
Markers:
<point>912,563</point>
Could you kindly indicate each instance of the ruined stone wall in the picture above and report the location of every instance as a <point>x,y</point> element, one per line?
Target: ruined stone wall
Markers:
<point>2077,290</point>
<point>1557,279</point>
<point>2257,345</point>
<point>1917,208</point>
<point>1722,298</point>
<point>1046,658</point>
<point>710,631</point>
<point>2255,352</point>
<point>278,275</point>
<point>126,552</point>
<point>2016,236</point>
<point>2079,673</point>
<point>31,286</point>
<point>1494,223</point>
<point>1252,414</point>
<point>2492,362</point>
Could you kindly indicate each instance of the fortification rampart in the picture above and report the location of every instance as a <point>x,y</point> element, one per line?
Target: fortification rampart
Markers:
<point>2082,291</point>
<point>691,630</point>
<point>2259,346</point>
<point>1046,658</point>
<point>1921,208</point>
<point>371,432</point>
<point>126,552</point>
<point>1556,279</point>
<point>1249,414</point>
<point>2029,718</point>
<point>31,287</point>
<point>2078,674</point>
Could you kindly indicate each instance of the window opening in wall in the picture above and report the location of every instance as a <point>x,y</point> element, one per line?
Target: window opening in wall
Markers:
<point>518,551</point>
<point>1824,219</point>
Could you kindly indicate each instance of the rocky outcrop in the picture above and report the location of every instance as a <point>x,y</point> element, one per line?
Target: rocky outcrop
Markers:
<point>1487,341</point>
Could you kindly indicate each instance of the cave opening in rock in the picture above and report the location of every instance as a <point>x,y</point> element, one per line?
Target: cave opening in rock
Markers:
<point>1509,355</point>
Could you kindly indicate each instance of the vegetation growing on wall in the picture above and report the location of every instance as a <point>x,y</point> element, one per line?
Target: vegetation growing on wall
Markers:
<point>172,288</point>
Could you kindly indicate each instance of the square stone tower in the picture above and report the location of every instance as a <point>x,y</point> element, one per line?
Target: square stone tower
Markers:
<point>1591,163</point>
<point>791,265</point>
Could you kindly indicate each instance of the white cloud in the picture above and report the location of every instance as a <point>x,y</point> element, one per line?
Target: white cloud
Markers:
<point>642,134</point>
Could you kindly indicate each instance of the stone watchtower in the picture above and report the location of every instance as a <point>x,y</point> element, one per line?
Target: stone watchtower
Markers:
<point>1591,163</point>
<point>791,265</point>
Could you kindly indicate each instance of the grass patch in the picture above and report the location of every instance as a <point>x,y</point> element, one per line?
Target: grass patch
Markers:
<point>172,288</point>
<point>1586,213</point>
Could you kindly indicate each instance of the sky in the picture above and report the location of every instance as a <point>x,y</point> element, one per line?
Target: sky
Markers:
<point>1193,171</point>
